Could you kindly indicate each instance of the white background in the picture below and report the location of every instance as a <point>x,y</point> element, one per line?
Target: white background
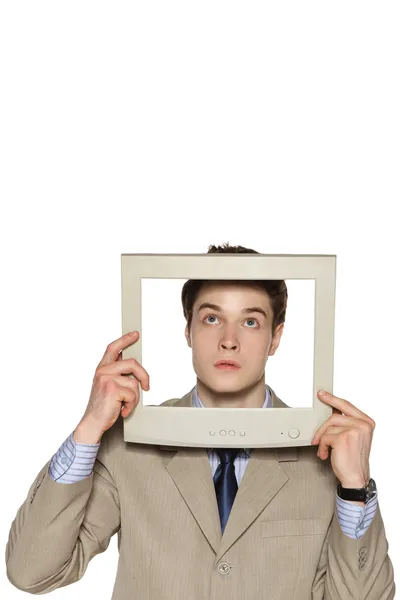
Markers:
<point>163,127</point>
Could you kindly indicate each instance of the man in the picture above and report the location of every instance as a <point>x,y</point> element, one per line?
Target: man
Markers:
<point>197,523</point>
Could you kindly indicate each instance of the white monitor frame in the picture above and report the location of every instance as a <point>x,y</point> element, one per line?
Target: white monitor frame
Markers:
<point>250,428</point>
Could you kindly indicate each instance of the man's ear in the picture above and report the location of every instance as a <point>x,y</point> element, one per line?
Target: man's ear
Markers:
<point>187,336</point>
<point>276,339</point>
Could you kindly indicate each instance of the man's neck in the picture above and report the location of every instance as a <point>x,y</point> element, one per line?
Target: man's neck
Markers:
<point>253,397</point>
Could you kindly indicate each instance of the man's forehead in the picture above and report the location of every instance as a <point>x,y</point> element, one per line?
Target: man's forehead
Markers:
<point>212,291</point>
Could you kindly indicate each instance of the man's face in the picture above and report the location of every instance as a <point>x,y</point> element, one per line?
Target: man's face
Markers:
<point>231,332</point>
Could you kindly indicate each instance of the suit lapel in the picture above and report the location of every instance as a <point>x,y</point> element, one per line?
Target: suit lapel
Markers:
<point>191,471</point>
<point>262,480</point>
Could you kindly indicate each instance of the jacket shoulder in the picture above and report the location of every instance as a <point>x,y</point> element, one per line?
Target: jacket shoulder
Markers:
<point>170,402</point>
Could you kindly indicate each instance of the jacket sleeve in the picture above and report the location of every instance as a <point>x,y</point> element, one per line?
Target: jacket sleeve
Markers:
<point>59,528</point>
<point>355,568</point>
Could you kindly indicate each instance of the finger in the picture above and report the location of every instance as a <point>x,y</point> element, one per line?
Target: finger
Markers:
<point>333,420</point>
<point>128,382</point>
<point>115,347</point>
<point>130,401</point>
<point>329,440</point>
<point>346,407</point>
<point>128,366</point>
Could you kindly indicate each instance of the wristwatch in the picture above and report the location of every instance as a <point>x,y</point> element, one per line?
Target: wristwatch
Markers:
<point>361,494</point>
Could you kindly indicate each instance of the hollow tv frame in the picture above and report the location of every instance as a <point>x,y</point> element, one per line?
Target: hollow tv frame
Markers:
<point>231,427</point>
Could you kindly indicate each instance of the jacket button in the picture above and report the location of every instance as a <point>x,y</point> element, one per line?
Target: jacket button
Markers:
<point>223,568</point>
<point>363,552</point>
<point>361,563</point>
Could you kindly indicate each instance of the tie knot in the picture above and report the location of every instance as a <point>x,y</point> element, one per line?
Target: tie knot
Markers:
<point>227,455</point>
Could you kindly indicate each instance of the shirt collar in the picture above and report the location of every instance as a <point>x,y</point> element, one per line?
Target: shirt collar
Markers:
<point>197,403</point>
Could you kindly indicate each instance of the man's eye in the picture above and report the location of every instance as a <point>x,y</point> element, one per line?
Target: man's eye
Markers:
<point>211,316</point>
<point>214,317</point>
<point>254,321</point>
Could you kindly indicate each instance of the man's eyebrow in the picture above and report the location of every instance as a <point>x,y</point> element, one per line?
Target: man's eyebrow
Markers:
<point>217,308</point>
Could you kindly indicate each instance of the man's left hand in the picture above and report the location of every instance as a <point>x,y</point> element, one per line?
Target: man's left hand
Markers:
<point>349,432</point>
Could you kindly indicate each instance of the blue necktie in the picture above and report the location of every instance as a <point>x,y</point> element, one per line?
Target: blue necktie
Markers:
<point>225,482</point>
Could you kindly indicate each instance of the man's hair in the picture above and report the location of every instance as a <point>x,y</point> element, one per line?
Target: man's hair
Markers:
<point>275,288</point>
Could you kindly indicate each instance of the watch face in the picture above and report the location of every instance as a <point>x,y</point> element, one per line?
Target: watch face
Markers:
<point>371,489</point>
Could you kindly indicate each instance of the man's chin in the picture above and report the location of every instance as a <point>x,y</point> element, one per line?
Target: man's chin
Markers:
<point>226,387</point>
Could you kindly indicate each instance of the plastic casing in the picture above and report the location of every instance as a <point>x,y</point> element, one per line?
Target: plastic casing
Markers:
<point>250,428</point>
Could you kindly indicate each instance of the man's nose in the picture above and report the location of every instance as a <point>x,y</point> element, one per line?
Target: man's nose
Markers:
<point>228,346</point>
<point>229,340</point>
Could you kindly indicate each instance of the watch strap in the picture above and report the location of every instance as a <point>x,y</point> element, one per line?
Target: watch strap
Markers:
<point>358,494</point>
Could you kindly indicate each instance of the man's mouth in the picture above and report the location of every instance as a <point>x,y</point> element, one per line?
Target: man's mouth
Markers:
<point>227,365</point>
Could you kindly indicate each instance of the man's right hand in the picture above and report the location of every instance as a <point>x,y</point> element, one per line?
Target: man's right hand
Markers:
<point>113,393</point>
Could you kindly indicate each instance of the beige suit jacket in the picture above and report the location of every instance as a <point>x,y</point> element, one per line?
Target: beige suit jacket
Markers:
<point>282,541</point>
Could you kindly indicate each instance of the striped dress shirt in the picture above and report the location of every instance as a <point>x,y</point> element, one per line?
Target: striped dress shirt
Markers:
<point>73,462</point>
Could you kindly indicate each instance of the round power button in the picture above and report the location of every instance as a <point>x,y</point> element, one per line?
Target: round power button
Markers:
<point>294,433</point>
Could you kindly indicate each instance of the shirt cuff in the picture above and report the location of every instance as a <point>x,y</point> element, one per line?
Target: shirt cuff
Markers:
<point>355,520</point>
<point>73,461</point>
